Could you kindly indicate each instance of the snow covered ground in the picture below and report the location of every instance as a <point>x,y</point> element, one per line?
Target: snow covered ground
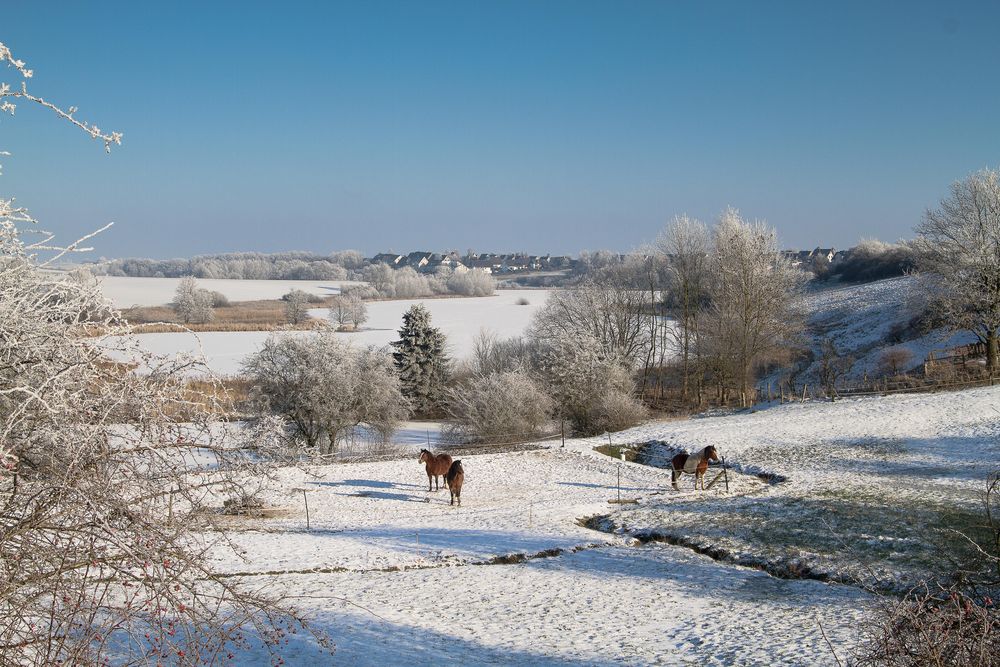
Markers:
<point>125,292</point>
<point>461,320</point>
<point>421,571</point>
<point>870,484</point>
<point>862,480</point>
<point>859,320</point>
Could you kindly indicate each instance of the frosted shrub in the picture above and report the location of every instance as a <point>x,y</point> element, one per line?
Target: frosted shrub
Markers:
<point>591,390</point>
<point>382,279</point>
<point>325,388</point>
<point>500,407</point>
<point>471,283</point>
<point>617,411</point>
<point>192,303</point>
<point>296,306</point>
<point>348,311</point>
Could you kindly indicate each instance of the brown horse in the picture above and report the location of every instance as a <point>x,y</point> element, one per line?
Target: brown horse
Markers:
<point>692,464</point>
<point>437,466</point>
<point>454,479</point>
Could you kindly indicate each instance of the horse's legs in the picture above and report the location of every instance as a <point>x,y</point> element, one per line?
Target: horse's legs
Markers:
<point>429,487</point>
<point>673,478</point>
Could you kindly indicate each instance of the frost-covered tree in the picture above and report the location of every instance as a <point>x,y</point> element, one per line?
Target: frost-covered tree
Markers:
<point>507,406</point>
<point>472,283</point>
<point>107,502</point>
<point>348,310</point>
<point>325,388</point>
<point>607,307</point>
<point>591,389</point>
<point>686,245</point>
<point>192,303</point>
<point>296,306</point>
<point>958,247</point>
<point>358,311</point>
<point>421,360</point>
<point>753,299</point>
<point>382,278</point>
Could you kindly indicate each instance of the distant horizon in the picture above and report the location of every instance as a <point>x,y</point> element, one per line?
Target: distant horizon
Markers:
<point>96,256</point>
<point>557,126</point>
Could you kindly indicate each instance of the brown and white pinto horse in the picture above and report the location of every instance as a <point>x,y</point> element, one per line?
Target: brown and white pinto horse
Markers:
<point>437,466</point>
<point>692,464</point>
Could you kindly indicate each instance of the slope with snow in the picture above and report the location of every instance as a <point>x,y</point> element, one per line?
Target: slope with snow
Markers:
<point>863,320</point>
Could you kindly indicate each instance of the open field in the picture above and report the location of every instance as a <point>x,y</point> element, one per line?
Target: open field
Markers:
<point>461,319</point>
<point>870,488</point>
<point>126,292</point>
<point>513,575</point>
<point>537,565</point>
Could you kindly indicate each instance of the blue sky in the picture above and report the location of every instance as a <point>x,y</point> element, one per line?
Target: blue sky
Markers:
<point>541,126</point>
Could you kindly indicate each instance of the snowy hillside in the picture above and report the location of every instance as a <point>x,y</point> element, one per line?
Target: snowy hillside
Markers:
<point>861,320</point>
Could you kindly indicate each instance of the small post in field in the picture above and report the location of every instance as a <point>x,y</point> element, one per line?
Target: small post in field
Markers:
<point>305,499</point>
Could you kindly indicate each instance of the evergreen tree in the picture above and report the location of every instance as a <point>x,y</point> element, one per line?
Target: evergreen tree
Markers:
<point>421,361</point>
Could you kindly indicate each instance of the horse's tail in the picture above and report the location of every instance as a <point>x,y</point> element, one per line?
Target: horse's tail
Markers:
<point>455,472</point>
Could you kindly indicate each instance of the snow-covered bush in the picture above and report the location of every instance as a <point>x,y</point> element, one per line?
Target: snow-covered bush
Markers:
<point>872,260</point>
<point>325,388</point>
<point>382,279</point>
<point>192,303</point>
<point>471,283</point>
<point>407,283</point>
<point>591,389</point>
<point>499,407</point>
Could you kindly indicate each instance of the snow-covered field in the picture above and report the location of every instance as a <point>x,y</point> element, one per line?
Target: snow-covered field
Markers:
<point>871,485</point>
<point>461,320</point>
<point>422,574</point>
<point>125,292</point>
<point>398,576</point>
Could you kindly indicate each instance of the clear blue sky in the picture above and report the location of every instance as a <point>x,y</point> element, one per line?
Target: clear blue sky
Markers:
<point>542,126</point>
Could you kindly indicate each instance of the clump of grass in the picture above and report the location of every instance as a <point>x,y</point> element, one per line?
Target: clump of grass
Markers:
<point>615,452</point>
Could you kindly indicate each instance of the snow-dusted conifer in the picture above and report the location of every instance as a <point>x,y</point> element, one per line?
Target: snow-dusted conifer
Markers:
<point>421,360</point>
